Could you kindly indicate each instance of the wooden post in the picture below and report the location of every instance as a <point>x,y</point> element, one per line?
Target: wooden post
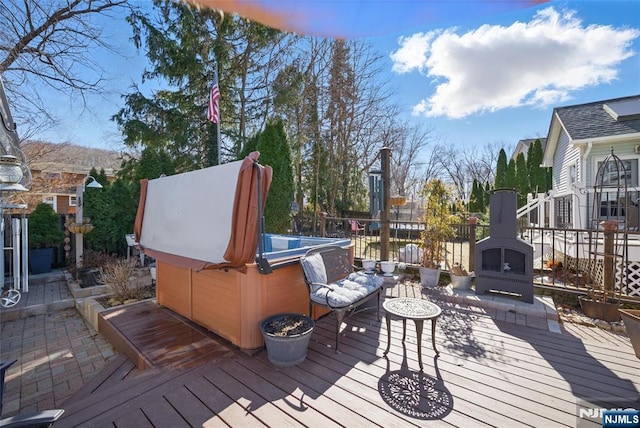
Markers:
<point>473,221</point>
<point>323,224</point>
<point>385,231</point>
<point>610,228</point>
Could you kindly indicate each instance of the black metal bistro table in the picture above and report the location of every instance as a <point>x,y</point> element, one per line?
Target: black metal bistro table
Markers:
<point>417,310</point>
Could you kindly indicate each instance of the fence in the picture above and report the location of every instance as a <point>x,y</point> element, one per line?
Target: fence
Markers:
<point>561,256</point>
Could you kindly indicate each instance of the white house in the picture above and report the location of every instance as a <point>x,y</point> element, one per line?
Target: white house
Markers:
<point>579,139</point>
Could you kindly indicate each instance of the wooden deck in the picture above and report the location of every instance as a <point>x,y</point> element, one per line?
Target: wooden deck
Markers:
<point>154,336</point>
<point>489,373</point>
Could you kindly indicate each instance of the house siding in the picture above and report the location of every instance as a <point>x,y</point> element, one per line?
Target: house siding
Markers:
<point>572,129</point>
<point>565,156</point>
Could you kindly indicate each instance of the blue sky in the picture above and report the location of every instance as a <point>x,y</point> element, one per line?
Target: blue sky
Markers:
<point>494,78</point>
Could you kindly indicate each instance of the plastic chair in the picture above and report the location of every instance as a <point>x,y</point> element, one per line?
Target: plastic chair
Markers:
<point>356,226</point>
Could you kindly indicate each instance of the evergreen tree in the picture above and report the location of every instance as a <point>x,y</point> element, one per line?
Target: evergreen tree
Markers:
<point>501,170</point>
<point>522,179</point>
<point>510,181</point>
<point>250,146</point>
<point>185,45</point>
<point>476,200</point>
<point>486,196</point>
<point>537,174</point>
<point>97,205</point>
<point>122,215</point>
<point>483,196</point>
<point>152,163</point>
<point>275,152</point>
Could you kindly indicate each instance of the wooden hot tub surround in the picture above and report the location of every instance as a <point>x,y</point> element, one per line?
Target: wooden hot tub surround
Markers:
<point>231,303</point>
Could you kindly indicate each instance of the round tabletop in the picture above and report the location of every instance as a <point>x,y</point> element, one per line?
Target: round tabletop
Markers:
<point>411,308</point>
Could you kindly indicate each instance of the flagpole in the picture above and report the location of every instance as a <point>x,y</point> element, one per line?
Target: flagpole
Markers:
<point>219,121</point>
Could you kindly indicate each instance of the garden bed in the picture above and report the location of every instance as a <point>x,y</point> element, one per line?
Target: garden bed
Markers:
<point>110,301</point>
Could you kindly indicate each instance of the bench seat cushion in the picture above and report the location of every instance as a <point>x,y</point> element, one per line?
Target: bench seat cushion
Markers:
<point>347,291</point>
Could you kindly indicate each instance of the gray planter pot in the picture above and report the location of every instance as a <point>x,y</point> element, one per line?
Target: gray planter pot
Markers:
<point>286,337</point>
<point>631,320</point>
<point>429,277</point>
<point>460,282</point>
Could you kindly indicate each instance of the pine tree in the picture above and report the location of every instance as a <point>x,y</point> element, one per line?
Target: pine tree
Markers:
<point>275,152</point>
<point>510,181</point>
<point>537,174</point>
<point>185,45</point>
<point>501,170</point>
<point>476,203</point>
<point>522,179</point>
<point>485,197</point>
<point>473,203</point>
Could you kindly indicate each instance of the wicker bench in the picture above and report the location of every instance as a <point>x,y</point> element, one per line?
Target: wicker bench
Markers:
<point>332,283</point>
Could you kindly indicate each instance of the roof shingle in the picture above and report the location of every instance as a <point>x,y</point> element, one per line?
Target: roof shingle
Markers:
<point>591,120</point>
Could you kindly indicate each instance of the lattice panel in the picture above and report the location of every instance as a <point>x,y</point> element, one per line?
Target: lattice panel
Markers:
<point>630,288</point>
<point>633,286</point>
<point>630,285</point>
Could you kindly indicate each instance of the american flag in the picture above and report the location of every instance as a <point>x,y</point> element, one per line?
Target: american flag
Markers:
<point>214,104</point>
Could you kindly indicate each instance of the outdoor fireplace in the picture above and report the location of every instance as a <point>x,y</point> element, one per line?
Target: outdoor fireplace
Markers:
<point>504,262</point>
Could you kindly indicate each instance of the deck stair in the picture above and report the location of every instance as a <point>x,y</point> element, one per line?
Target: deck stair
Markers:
<point>533,205</point>
<point>154,336</point>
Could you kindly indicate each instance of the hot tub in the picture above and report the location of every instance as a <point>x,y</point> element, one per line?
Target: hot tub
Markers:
<point>283,247</point>
<point>231,303</point>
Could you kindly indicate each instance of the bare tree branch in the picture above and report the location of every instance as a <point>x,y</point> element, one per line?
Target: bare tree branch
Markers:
<point>51,42</point>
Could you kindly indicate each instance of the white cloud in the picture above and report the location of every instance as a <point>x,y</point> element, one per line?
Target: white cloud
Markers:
<point>494,67</point>
<point>413,53</point>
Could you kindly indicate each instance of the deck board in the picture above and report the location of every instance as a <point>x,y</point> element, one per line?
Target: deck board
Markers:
<point>322,397</point>
<point>489,373</point>
<point>234,412</point>
<point>402,360</point>
<point>113,369</point>
<point>160,413</point>
<point>153,336</point>
<point>134,419</point>
<point>262,398</point>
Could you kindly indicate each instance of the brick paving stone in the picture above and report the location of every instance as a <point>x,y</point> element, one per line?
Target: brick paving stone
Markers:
<point>33,407</point>
<point>75,383</point>
<point>49,369</point>
<point>32,388</point>
<point>46,404</point>
<point>58,370</point>
<point>44,384</point>
<point>10,406</point>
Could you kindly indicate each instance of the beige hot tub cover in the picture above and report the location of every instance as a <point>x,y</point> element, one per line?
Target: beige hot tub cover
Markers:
<point>204,219</point>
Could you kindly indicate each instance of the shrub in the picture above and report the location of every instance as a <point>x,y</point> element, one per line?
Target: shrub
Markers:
<point>120,275</point>
<point>44,227</point>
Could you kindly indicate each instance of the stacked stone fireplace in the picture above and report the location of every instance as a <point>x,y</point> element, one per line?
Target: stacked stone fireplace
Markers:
<point>504,262</point>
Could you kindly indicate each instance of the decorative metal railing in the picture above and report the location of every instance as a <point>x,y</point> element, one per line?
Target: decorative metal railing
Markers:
<point>561,256</point>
